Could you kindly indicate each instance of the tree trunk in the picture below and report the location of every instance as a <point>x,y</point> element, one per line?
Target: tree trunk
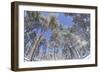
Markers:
<point>37,42</point>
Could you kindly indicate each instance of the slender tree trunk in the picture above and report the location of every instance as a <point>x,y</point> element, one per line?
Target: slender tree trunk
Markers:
<point>37,42</point>
<point>75,51</point>
<point>54,53</point>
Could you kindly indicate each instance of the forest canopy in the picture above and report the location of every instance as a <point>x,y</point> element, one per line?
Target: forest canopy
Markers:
<point>56,36</point>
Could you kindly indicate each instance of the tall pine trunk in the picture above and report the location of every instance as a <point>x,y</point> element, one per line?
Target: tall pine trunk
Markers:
<point>36,44</point>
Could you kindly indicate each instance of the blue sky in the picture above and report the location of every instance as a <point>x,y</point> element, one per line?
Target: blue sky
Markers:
<point>65,20</point>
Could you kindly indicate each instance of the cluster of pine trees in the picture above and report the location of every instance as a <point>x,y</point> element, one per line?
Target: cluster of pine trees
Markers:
<point>63,42</point>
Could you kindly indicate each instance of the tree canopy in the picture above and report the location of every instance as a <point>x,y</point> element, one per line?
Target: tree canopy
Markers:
<point>47,38</point>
